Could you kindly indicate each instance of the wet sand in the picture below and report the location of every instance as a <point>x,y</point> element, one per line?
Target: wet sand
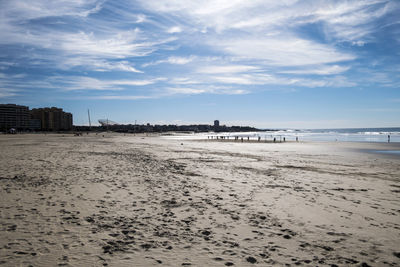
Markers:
<point>147,201</point>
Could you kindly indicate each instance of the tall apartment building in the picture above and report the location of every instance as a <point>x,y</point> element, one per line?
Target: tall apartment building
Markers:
<point>14,116</point>
<point>52,119</point>
<point>67,121</point>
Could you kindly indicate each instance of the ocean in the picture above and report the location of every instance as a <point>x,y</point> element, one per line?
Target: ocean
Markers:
<point>321,135</point>
<point>340,135</point>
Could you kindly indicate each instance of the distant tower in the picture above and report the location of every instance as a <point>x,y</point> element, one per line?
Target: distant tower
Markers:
<point>90,123</point>
<point>216,123</point>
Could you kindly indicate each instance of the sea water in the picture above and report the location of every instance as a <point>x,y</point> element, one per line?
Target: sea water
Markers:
<point>323,135</point>
<point>340,135</point>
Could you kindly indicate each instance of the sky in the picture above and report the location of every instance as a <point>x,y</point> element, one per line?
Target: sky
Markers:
<point>262,63</point>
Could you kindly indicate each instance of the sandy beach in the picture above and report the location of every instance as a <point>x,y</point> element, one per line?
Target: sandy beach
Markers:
<point>151,201</point>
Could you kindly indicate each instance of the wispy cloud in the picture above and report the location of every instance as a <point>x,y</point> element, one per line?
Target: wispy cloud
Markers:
<point>5,93</point>
<point>185,80</point>
<point>123,97</point>
<point>42,8</point>
<point>267,79</point>
<point>174,29</point>
<point>211,89</point>
<point>174,91</point>
<point>347,20</point>
<point>354,21</point>
<point>98,64</point>
<point>283,51</point>
<point>171,60</point>
<point>239,75</point>
<point>197,47</point>
<point>5,65</point>
<point>73,83</point>
<point>226,69</point>
<point>78,44</point>
<point>185,90</point>
<point>319,70</point>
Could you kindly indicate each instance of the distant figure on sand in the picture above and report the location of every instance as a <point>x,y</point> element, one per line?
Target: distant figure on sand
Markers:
<point>297,139</point>
<point>389,138</point>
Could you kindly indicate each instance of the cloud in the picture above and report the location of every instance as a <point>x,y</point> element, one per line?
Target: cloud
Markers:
<point>259,79</point>
<point>185,80</point>
<point>177,60</point>
<point>219,15</point>
<point>65,34</point>
<point>6,65</point>
<point>121,45</point>
<point>353,21</point>
<point>83,83</point>
<point>173,91</point>
<point>205,89</point>
<point>123,97</point>
<point>5,89</point>
<point>242,80</point>
<point>202,47</point>
<point>345,20</point>
<point>98,64</point>
<point>41,8</point>
<point>141,18</point>
<point>5,93</point>
<point>122,65</point>
<point>136,82</point>
<point>185,90</point>
<point>238,75</point>
<point>74,83</point>
<point>318,70</point>
<point>175,29</point>
<point>180,60</point>
<point>283,51</point>
<point>226,69</point>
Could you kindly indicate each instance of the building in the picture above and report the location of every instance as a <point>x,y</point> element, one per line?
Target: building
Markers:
<point>52,119</point>
<point>14,116</point>
<point>107,122</point>
<point>35,124</point>
<point>67,121</point>
<point>216,123</point>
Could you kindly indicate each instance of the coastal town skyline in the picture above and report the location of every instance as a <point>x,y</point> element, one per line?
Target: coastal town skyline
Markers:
<point>265,64</point>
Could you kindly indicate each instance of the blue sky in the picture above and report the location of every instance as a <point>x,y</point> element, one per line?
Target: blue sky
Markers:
<point>269,64</point>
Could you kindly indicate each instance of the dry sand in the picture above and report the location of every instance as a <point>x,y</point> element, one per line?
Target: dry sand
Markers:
<point>147,201</point>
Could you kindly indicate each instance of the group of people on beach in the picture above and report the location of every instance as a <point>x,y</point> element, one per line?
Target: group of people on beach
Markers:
<point>248,138</point>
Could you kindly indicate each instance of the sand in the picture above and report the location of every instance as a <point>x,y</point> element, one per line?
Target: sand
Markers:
<point>147,201</point>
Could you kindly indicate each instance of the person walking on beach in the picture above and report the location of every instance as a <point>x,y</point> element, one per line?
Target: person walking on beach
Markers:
<point>389,138</point>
